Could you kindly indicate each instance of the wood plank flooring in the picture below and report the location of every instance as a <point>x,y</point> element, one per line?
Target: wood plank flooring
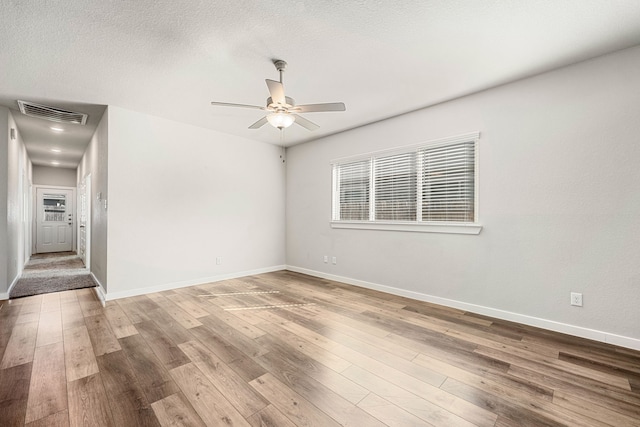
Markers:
<point>285,349</point>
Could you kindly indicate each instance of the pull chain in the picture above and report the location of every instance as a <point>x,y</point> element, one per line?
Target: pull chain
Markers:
<point>282,144</point>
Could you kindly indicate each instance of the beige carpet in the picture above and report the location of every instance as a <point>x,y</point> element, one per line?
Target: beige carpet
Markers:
<point>54,272</point>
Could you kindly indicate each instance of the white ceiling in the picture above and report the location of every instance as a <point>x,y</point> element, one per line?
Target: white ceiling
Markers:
<point>381,58</point>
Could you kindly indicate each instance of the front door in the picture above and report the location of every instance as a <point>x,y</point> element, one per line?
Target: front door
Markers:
<point>54,220</point>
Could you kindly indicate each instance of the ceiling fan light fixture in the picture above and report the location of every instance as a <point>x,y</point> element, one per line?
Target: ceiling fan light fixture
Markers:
<point>281,119</point>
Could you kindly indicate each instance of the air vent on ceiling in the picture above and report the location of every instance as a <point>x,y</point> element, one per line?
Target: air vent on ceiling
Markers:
<point>52,113</point>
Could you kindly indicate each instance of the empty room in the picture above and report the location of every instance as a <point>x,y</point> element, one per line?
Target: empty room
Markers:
<point>299,213</point>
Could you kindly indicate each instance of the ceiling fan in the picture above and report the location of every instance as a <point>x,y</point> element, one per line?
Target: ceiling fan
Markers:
<point>282,110</point>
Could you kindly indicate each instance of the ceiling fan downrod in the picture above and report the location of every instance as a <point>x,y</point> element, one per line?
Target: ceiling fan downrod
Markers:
<point>280,66</point>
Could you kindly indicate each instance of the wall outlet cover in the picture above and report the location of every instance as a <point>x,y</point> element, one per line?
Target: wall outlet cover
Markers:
<point>576,299</point>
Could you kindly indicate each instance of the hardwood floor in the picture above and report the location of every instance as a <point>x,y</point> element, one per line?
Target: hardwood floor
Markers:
<point>285,349</point>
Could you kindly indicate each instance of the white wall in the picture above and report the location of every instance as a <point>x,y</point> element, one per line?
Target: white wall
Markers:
<point>4,186</point>
<point>559,203</point>
<point>180,196</point>
<point>94,162</point>
<point>14,188</point>
<point>46,175</point>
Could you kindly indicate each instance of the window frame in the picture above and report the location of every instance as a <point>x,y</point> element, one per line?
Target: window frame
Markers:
<point>414,225</point>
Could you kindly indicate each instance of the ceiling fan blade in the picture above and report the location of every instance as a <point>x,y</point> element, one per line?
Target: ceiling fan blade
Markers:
<point>227,104</point>
<point>310,108</point>
<point>277,91</point>
<point>307,124</point>
<point>259,123</point>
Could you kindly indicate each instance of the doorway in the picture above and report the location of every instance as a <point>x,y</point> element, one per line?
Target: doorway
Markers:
<point>54,219</point>
<point>84,220</point>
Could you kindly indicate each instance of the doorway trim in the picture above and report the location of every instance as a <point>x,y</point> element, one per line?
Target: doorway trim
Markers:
<point>86,183</point>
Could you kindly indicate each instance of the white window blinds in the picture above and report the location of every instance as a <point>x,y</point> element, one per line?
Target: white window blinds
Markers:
<point>427,183</point>
<point>353,182</point>
<point>395,187</point>
<point>448,183</point>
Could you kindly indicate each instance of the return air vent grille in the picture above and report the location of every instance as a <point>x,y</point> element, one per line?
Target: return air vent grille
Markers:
<point>52,113</point>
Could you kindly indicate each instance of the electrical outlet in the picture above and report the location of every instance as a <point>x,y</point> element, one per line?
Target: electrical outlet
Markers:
<point>326,259</point>
<point>576,299</point>
<point>334,261</point>
<point>219,260</point>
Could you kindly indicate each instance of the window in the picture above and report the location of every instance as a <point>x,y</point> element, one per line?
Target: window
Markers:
<point>448,183</point>
<point>353,182</point>
<point>395,187</point>
<point>426,187</point>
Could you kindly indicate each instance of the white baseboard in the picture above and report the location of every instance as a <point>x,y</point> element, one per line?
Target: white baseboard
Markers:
<point>578,331</point>
<point>99,290</point>
<point>15,280</point>
<point>5,295</point>
<point>175,285</point>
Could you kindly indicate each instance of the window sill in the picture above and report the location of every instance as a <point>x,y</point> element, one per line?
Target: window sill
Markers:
<point>448,228</point>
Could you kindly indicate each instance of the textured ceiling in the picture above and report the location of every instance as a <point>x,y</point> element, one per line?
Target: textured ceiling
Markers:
<point>380,58</point>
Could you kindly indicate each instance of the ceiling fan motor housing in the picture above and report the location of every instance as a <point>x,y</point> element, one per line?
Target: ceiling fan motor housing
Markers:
<point>290,103</point>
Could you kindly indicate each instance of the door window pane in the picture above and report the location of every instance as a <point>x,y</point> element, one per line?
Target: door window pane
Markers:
<point>55,207</point>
